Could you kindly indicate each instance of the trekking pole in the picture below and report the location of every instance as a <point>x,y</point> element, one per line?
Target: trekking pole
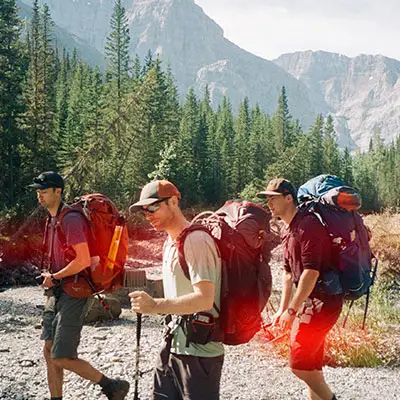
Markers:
<point>366,309</point>
<point>137,371</point>
<point>102,300</point>
<point>347,314</point>
<point>368,293</point>
<point>136,280</point>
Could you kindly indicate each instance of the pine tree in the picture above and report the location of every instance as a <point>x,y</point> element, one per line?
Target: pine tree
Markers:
<point>346,171</point>
<point>62,94</point>
<point>187,149</point>
<point>40,94</point>
<point>119,68</point>
<point>242,173</point>
<point>212,178</point>
<point>315,151</point>
<point>225,140</point>
<point>331,154</point>
<point>12,75</point>
<point>282,124</point>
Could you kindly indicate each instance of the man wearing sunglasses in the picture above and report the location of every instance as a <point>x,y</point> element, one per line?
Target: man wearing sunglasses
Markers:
<point>63,315</point>
<point>185,370</point>
<point>309,313</point>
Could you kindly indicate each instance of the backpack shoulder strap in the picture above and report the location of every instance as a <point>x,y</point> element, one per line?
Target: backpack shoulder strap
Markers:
<point>63,211</point>
<point>180,244</point>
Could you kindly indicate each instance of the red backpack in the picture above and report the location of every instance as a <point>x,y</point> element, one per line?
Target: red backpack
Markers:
<point>241,232</point>
<point>108,243</point>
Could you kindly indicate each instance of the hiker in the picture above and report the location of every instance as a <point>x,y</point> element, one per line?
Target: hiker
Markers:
<point>184,370</point>
<point>63,315</point>
<point>308,314</point>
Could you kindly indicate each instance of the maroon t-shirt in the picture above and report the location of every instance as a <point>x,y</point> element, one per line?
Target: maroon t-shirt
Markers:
<point>76,231</point>
<point>306,245</point>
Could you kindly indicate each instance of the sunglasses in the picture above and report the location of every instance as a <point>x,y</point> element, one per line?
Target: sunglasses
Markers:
<point>152,208</point>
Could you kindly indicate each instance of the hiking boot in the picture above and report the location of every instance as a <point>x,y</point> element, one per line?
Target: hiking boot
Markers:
<point>117,389</point>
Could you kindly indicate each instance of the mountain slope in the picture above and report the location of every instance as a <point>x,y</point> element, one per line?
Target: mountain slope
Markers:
<point>184,36</point>
<point>65,39</point>
<point>363,93</point>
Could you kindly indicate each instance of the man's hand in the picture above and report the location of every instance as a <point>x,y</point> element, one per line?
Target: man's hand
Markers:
<point>286,320</point>
<point>47,283</point>
<point>142,303</point>
<point>276,317</point>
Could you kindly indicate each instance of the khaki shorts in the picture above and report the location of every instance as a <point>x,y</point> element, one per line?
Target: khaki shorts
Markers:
<point>62,324</point>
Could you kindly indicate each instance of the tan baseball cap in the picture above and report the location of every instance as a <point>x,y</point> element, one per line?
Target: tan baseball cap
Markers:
<point>154,192</point>
<point>277,187</point>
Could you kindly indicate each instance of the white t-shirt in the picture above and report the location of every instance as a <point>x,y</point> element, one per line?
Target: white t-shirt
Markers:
<point>204,264</point>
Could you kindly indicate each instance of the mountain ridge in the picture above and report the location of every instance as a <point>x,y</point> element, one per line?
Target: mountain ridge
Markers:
<point>362,93</point>
<point>193,44</point>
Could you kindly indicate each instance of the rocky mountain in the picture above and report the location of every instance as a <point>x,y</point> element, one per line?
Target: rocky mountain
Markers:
<point>184,36</point>
<point>362,93</point>
<point>65,39</point>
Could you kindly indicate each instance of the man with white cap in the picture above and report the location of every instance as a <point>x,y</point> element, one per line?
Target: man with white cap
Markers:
<point>185,369</point>
<point>309,313</point>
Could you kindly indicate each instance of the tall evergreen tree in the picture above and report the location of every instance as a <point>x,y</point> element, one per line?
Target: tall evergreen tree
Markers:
<point>242,173</point>
<point>62,94</point>
<point>187,149</point>
<point>225,139</point>
<point>315,150</point>
<point>331,154</point>
<point>12,75</point>
<point>119,68</point>
<point>282,124</point>
<point>346,171</point>
<point>40,93</point>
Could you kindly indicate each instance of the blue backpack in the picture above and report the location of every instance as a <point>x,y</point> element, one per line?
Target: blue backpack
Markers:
<point>335,205</point>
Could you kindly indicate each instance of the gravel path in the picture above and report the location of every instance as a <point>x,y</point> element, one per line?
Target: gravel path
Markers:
<point>251,372</point>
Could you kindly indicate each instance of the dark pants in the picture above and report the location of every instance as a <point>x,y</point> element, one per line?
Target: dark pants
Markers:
<point>187,377</point>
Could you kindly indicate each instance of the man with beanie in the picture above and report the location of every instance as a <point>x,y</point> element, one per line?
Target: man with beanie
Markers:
<point>186,370</point>
<point>63,315</point>
<point>309,313</point>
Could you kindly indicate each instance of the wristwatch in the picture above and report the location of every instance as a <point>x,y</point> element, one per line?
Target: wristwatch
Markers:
<point>54,280</point>
<point>292,312</point>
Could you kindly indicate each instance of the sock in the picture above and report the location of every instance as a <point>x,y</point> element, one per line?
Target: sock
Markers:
<point>334,397</point>
<point>104,381</point>
<point>56,398</point>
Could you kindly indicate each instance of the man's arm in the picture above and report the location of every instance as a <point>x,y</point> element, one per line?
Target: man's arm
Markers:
<point>78,264</point>
<point>287,285</point>
<point>201,299</point>
<point>307,282</point>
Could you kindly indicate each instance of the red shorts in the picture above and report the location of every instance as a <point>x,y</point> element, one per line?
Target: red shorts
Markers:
<point>309,330</point>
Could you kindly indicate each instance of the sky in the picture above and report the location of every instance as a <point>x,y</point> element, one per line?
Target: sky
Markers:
<point>270,28</point>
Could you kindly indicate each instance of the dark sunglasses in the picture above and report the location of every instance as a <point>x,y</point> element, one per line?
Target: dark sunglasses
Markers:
<point>152,208</point>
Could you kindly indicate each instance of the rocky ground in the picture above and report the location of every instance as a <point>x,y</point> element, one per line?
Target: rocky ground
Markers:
<point>251,371</point>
